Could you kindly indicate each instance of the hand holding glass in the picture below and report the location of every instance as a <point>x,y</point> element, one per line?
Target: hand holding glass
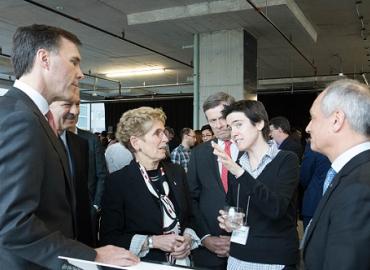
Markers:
<point>233,217</point>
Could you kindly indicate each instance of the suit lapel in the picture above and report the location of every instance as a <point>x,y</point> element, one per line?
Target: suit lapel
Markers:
<point>214,169</point>
<point>18,94</point>
<point>321,207</point>
<point>348,168</point>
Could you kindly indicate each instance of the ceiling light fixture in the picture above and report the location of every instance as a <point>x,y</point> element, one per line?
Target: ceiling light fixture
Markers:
<point>135,72</point>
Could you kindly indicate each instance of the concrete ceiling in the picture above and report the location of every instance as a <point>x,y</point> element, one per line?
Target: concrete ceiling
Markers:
<point>328,33</point>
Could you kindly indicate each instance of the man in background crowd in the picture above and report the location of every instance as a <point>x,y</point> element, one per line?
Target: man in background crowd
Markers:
<point>280,133</point>
<point>181,154</point>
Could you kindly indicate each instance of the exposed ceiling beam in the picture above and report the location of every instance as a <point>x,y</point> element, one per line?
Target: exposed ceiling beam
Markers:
<point>216,7</point>
<point>288,81</point>
<point>195,10</point>
<point>78,20</point>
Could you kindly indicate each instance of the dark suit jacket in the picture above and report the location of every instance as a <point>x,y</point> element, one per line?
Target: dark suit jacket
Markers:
<point>79,149</point>
<point>129,208</point>
<point>339,235</point>
<point>273,237</point>
<point>37,215</point>
<point>289,144</point>
<point>97,167</point>
<point>208,197</point>
<point>313,172</point>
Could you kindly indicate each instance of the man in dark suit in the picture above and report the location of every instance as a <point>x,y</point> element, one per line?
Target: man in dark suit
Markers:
<point>77,148</point>
<point>97,168</point>
<point>338,236</point>
<point>280,131</point>
<point>207,189</point>
<point>37,213</point>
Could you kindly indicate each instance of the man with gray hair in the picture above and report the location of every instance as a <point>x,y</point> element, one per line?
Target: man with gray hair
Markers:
<point>208,186</point>
<point>340,129</point>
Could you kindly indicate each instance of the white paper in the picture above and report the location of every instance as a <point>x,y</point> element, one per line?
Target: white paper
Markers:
<point>89,265</point>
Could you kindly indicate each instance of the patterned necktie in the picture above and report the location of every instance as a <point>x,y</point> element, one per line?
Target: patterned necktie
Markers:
<point>224,169</point>
<point>328,179</point>
<point>51,122</point>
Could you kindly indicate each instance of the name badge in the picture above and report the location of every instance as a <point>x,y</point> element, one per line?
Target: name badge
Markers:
<point>240,236</point>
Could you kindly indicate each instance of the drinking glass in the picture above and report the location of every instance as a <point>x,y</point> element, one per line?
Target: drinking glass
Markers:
<point>234,217</point>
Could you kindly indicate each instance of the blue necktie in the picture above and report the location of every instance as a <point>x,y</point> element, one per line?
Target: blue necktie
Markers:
<point>328,179</point>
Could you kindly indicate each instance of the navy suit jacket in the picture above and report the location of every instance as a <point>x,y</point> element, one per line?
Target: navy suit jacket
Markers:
<point>339,235</point>
<point>313,172</point>
<point>37,201</point>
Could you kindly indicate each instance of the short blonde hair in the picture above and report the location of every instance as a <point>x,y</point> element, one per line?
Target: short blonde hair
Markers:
<point>137,122</point>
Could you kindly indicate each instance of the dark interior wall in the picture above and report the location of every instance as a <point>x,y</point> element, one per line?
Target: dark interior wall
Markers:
<point>179,111</point>
<point>295,107</point>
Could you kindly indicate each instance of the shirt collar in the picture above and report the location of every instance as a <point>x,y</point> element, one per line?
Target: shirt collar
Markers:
<point>345,157</point>
<point>272,151</point>
<point>63,137</point>
<point>35,96</point>
<point>233,148</point>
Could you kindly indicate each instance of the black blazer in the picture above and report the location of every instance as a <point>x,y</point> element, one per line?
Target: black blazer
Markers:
<point>37,201</point>
<point>78,149</point>
<point>289,144</point>
<point>206,190</point>
<point>339,235</point>
<point>97,167</point>
<point>129,208</point>
<point>273,237</point>
<point>208,197</point>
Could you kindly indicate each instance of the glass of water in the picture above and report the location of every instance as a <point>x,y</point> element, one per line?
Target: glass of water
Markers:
<point>234,217</point>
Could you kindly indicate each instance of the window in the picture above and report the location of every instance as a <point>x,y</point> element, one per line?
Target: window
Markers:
<point>92,117</point>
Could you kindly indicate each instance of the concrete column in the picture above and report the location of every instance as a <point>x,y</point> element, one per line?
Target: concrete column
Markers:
<point>227,63</point>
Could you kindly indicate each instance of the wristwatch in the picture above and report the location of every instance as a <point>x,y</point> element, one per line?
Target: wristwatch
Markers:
<point>150,241</point>
<point>97,208</point>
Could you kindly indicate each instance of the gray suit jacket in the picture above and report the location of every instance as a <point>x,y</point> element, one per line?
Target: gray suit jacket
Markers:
<point>339,235</point>
<point>37,200</point>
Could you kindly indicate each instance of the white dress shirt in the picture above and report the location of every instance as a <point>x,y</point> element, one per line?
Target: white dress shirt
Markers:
<point>345,157</point>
